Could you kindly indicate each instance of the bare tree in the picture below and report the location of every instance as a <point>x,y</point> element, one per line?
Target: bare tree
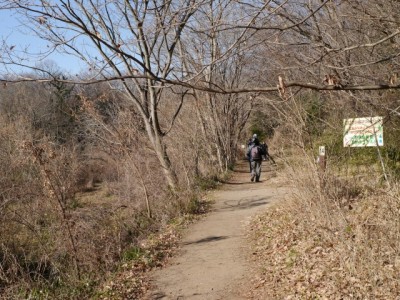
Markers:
<point>134,46</point>
<point>219,58</point>
<point>121,39</point>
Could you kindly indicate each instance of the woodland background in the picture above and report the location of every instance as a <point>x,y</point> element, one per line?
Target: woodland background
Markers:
<point>94,163</point>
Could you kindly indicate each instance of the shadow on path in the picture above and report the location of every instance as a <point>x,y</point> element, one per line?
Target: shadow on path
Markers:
<point>207,240</point>
<point>230,205</point>
<point>234,183</point>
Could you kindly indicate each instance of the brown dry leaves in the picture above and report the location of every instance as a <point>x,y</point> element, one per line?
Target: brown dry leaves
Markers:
<point>132,282</point>
<point>352,254</point>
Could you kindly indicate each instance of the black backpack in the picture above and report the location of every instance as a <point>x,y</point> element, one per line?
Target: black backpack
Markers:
<point>264,148</point>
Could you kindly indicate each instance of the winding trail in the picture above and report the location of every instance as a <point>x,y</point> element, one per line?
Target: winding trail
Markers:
<point>212,261</point>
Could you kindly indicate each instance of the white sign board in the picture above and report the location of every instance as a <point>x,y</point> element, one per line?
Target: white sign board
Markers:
<point>363,132</point>
<point>322,150</point>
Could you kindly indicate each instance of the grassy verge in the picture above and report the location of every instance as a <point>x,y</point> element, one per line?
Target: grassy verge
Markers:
<point>130,281</point>
<point>334,239</point>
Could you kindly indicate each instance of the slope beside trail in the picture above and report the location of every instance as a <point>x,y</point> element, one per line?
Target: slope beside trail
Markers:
<point>211,263</point>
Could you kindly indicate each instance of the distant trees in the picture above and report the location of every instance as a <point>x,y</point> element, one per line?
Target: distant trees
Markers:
<point>134,41</point>
<point>222,54</point>
<point>145,48</point>
<point>221,59</point>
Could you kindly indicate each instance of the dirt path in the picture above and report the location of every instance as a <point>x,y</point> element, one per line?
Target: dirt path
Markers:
<point>212,262</point>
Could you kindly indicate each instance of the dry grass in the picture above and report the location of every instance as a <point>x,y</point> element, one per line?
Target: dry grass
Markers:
<point>335,239</point>
<point>70,212</point>
<point>57,242</point>
<point>131,281</point>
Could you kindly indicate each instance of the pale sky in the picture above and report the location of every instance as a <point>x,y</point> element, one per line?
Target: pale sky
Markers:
<point>18,37</point>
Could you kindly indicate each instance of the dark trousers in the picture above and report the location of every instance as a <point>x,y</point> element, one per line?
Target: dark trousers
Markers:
<point>256,169</point>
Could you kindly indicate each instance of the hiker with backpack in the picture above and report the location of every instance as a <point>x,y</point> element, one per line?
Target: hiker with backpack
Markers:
<point>255,155</point>
<point>250,143</point>
<point>267,156</point>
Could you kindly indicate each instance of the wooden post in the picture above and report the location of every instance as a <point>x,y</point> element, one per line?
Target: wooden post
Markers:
<point>322,159</point>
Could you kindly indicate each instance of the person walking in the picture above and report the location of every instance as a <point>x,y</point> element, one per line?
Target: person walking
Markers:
<point>266,155</point>
<point>255,154</point>
<point>250,143</point>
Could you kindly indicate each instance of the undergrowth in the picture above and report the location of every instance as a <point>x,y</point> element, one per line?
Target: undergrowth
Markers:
<point>334,239</point>
<point>129,281</point>
<point>147,245</point>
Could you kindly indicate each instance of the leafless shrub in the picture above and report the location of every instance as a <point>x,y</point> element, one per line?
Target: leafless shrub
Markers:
<point>335,237</point>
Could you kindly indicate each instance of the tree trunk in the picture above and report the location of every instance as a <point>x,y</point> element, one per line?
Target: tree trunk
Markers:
<point>160,149</point>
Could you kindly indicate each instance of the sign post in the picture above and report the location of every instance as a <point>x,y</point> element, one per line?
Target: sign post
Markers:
<point>322,159</point>
<point>365,132</point>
